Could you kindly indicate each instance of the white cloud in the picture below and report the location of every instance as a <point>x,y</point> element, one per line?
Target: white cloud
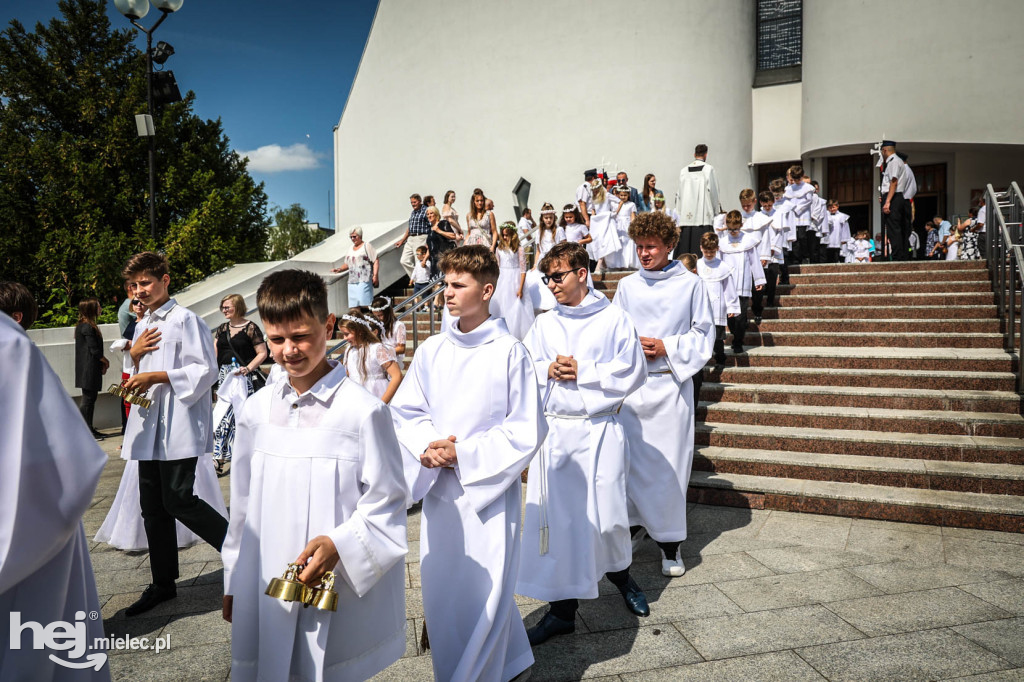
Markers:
<point>273,158</point>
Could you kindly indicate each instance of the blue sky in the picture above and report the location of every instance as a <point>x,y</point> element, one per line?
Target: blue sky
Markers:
<point>277,77</point>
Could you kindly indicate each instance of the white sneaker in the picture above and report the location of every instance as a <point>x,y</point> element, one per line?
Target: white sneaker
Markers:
<point>638,538</point>
<point>672,568</point>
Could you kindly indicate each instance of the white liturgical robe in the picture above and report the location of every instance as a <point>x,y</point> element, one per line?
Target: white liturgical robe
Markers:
<point>742,255</point>
<point>479,387</point>
<point>179,423</point>
<point>720,280</point>
<point>322,463</point>
<point>672,305</point>
<point>577,488</point>
<point>49,467</point>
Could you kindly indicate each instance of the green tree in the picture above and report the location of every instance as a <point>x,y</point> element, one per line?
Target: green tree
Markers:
<point>73,172</point>
<point>289,234</point>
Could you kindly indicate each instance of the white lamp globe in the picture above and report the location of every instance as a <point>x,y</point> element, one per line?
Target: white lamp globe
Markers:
<point>133,9</point>
<point>167,5</point>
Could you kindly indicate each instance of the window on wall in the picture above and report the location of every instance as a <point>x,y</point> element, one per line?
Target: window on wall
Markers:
<point>779,42</point>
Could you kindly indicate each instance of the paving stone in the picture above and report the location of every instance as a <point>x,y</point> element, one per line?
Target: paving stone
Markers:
<point>209,662</point>
<point>198,599</point>
<point>794,530</point>
<point>889,542</point>
<point>897,525</point>
<point>587,656</point>
<point>142,626</point>
<point>703,544</point>
<point>1002,637</point>
<point>1002,556</point>
<point>198,553</point>
<point>892,614</point>
<point>413,629</point>
<point>413,555</point>
<point>928,655</point>
<point>137,579</point>
<point>764,631</point>
<point>784,666</point>
<point>211,573</point>
<point>699,570</point>
<point>677,603</point>
<point>801,559</point>
<point>1006,594</point>
<point>407,670</point>
<point>533,612</point>
<point>197,628</point>
<point>117,560</point>
<point>796,589</point>
<point>1015,675</point>
<point>985,535</point>
<point>704,518</point>
<point>909,576</point>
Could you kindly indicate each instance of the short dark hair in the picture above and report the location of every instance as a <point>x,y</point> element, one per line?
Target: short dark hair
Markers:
<point>289,295</point>
<point>777,186</point>
<point>796,171</point>
<point>766,196</point>
<point>709,240</point>
<point>700,150</point>
<point>147,262</point>
<point>417,197</point>
<point>573,253</point>
<point>475,259</point>
<point>655,224</point>
<point>16,298</point>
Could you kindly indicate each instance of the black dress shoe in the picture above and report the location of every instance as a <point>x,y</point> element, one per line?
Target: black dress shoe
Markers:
<point>548,627</point>
<point>636,600</point>
<point>98,435</point>
<point>152,596</point>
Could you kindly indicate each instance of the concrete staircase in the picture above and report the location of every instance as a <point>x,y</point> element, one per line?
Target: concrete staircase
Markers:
<point>878,391</point>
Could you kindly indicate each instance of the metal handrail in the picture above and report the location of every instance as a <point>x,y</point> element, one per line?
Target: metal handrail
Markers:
<point>1005,260</point>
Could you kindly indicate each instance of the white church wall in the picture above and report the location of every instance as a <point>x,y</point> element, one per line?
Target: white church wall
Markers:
<point>457,94</point>
<point>776,112</point>
<point>941,71</point>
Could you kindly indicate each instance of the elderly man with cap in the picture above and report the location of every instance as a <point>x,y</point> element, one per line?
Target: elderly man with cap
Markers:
<point>895,208</point>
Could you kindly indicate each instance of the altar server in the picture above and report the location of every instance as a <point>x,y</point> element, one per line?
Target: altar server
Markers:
<point>576,528</point>
<point>801,197</point>
<point>670,308</point>
<point>720,279</point>
<point>469,420</point>
<point>49,468</point>
<point>175,361</point>
<point>739,250</point>
<point>770,251</point>
<point>317,481</point>
<point>839,232</point>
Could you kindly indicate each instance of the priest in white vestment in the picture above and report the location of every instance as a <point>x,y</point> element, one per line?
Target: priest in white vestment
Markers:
<point>669,306</point>
<point>468,417</point>
<point>576,529</point>
<point>49,467</point>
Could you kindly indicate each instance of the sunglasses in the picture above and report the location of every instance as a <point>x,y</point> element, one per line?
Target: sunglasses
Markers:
<point>556,277</point>
<point>136,302</point>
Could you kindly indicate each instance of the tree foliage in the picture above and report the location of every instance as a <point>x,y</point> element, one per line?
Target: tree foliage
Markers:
<point>73,172</point>
<point>289,234</point>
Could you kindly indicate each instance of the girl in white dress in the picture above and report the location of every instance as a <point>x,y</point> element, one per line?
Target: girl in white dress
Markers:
<point>622,216</point>
<point>508,300</point>
<point>602,229</point>
<point>394,331</point>
<point>549,233</point>
<point>369,362</point>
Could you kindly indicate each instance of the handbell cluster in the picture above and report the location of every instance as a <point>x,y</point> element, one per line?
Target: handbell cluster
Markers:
<point>289,588</point>
<point>132,397</point>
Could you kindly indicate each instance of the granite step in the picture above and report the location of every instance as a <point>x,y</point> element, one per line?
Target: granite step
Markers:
<point>899,276</point>
<point>862,442</point>
<point>915,325</point>
<point>885,301</point>
<point>936,266</point>
<point>871,377</point>
<point>933,422</point>
<point>911,505</point>
<point>887,287</point>
<point>936,310</point>
<point>876,339</point>
<point>1004,402</point>
<point>878,357</point>
<point>972,477</point>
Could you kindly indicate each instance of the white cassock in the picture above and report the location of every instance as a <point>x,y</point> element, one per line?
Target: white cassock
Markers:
<point>323,463</point>
<point>743,257</point>
<point>49,467</point>
<point>720,282</point>
<point>671,305</point>
<point>577,488</point>
<point>479,387</point>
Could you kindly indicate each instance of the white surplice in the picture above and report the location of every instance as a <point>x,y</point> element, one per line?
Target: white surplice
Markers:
<point>720,280</point>
<point>479,387</point>
<point>577,488</point>
<point>672,305</point>
<point>178,425</point>
<point>743,257</point>
<point>322,463</point>
<point>49,467</point>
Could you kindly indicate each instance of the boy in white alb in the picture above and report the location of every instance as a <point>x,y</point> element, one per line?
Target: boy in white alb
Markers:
<point>49,468</point>
<point>770,252</point>
<point>819,223</point>
<point>838,233</point>
<point>748,209</point>
<point>720,279</point>
<point>469,420</point>
<point>672,313</point>
<point>739,250</point>
<point>175,361</point>
<point>801,197</point>
<point>576,528</point>
<point>316,481</point>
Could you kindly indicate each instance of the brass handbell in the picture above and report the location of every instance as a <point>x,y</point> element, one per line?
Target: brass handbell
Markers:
<point>288,587</point>
<point>130,396</point>
<point>324,597</point>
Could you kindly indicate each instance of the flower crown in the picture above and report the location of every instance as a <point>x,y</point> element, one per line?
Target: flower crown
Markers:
<point>357,320</point>
<point>382,308</point>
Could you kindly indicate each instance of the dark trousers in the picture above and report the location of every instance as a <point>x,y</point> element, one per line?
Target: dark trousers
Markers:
<point>811,246</point>
<point>88,405</point>
<point>689,240</point>
<point>897,227</point>
<point>566,608</point>
<point>166,493</point>
<point>784,270</point>
<point>767,293</point>
<point>798,253</point>
<point>719,353</point>
<point>738,325</point>
<point>832,254</point>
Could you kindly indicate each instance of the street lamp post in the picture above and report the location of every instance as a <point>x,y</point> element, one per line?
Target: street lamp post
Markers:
<point>135,10</point>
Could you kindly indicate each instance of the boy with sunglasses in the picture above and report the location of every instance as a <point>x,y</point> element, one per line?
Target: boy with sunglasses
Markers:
<point>588,359</point>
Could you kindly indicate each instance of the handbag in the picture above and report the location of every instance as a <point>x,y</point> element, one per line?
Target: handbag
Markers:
<point>258,379</point>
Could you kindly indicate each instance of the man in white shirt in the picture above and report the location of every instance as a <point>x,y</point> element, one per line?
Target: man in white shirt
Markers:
<point>895,209</point>
<point>697,202</point>
<point>585,196</point>
<point>979,225</point>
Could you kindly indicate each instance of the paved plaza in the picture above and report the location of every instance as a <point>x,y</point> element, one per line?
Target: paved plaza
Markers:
<point>767,595</point>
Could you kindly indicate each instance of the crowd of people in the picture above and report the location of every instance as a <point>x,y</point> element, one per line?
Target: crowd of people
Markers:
<point>535,370</point>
